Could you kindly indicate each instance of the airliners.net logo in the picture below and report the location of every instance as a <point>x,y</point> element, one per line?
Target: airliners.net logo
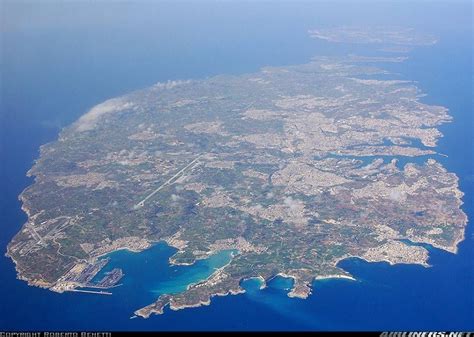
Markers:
<point>427,334</point>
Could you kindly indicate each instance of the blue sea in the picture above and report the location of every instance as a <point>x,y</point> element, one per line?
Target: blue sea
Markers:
<point>59,59</point>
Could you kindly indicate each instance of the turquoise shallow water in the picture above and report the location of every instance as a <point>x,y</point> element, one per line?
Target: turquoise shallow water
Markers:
<point>55,69</point>
<point>148,274</point>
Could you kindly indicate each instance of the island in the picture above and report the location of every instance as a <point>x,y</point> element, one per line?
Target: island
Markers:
<point>294,167</point>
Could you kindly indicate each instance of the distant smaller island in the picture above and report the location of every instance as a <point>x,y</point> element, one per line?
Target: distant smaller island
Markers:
<point>397,39</point>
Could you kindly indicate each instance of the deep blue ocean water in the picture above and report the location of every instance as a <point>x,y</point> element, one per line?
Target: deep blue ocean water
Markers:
<point>59,60</point>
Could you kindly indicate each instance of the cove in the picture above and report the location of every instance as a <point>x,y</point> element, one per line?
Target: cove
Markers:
<point>148,274</point>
